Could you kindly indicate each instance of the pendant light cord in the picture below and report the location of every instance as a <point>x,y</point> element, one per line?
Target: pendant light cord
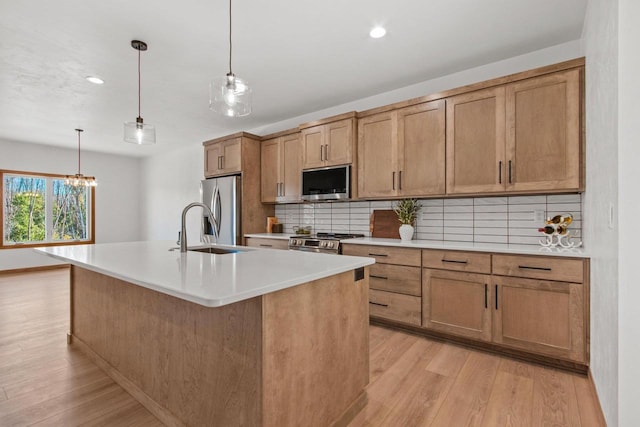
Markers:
<point>230,46</point>
<point>78,130</point>
<point>138,82</point>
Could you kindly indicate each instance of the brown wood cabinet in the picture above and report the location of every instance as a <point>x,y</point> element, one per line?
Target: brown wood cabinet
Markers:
<point>545,316</point>
<point>328,142</point>
<point>518,137</point>
<point>455,297</point>
<point>263,242</point>
<point>402,152</point>
<point>223,157</point>
<point>394,280</point>
<point>281,165</point>
<point>239,154</point>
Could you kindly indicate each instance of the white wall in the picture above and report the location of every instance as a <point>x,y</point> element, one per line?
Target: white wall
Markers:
<point>600,38</point>
<point>628,208</point>
<point>117,195</point>
<point>172,179</point>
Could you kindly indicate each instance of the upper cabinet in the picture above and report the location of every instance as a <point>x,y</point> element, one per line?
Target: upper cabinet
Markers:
<point>401,153</point>
<point>328,142</point>
<point>281,162</point>
<point>519,137</point>
<point>222,157</point>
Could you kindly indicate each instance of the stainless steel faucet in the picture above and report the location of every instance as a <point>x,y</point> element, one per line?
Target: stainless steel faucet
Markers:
<point>183,229</point>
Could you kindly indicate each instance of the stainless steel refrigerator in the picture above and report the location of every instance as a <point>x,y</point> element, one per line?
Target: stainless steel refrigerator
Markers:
<point>223,196</point>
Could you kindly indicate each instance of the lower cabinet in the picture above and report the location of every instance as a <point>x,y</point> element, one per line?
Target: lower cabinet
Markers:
<point>457,303</point>
<point>539,316</point>
<point>394,306</point>
<point>259,242</point>
<point>530,303</point>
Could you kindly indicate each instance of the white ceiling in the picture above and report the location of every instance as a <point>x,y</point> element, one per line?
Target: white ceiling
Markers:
<point>299,56</point>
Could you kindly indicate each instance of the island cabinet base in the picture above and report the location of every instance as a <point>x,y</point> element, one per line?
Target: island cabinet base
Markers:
<point>298,356</point>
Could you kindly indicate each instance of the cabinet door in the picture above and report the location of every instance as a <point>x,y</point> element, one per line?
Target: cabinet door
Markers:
<point>540,316</point>
<point>232,155</point>
<point>270,169</point>
<point>212,159</point>
<point>313,147</point>
<point>339,142</point>
<point>543,140</point>
<point>476,142</point>
<point>457,303</point>
<point>421,149</point>
<point>291,161</point>
<point>377,148</point>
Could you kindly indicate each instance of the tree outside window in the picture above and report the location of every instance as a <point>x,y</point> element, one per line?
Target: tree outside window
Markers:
<point>40,209</point>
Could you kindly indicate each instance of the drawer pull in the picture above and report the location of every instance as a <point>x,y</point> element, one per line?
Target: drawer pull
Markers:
<point>496,296</point>
<point>266,246</point>
<point>454,261</point>
<point>378,277</point>
<point>526,267</point>
<point>370,254</point>
<point>377,303</point>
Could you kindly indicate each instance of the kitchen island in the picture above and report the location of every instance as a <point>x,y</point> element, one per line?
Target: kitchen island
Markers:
<point>256,338</point>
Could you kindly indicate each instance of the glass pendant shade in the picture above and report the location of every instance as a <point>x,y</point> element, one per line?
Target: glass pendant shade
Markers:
<point>139,133</point>
<point>230,96</point>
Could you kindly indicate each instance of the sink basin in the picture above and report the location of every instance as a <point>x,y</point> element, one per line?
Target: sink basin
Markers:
<point>212,250</point>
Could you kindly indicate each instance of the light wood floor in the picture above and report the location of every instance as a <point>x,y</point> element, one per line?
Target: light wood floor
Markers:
<point>414,381</point>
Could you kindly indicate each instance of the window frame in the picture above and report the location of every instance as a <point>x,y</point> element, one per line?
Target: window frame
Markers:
<point>20,245</point>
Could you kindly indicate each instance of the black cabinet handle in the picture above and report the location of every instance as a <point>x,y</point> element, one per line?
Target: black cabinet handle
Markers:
<point>370,254</point>
<point>454,261</point>
<point>400,180</point>
<point>379,277</point>
<point>393,180</point>
<point>500,172</point>
<point>509,171</point>
<point>526,267</point>
<point>377,303</point>
<point>266,246</point>
<point>486,296</point>
<point>496,289</point>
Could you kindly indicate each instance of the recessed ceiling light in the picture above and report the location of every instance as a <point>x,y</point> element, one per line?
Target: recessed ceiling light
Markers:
<point>95,80</point>
<point>377,32</point>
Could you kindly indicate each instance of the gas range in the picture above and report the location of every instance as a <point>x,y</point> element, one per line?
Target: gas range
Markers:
<point>320,242</point>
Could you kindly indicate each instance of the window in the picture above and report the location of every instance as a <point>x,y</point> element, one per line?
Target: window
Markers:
<point>40,209</point>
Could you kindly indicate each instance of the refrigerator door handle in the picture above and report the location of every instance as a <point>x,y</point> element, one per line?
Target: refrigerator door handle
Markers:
<point>217,213</point>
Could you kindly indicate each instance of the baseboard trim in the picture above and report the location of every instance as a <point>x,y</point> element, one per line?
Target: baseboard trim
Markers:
<point>350,413</point>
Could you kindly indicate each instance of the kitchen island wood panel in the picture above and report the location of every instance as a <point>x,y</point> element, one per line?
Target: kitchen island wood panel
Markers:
<point>265,361</point>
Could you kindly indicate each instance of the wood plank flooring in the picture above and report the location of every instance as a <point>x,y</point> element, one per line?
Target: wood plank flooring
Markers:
<point>415,381</point>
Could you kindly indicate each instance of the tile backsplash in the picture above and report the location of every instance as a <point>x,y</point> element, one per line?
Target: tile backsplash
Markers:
<point>508,219</point>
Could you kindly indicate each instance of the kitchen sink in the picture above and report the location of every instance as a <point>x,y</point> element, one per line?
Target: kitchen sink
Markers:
<point>212,250</point>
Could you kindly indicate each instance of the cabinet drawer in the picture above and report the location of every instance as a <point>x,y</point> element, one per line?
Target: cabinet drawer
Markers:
<point>472,262</point>
<point>392,306</point>
<point>539,267</point>
<point>395,278</point>
<point>258,242</point>
<point>385,254</point>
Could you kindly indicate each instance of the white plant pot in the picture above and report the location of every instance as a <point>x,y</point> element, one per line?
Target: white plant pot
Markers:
<point>406,232</point>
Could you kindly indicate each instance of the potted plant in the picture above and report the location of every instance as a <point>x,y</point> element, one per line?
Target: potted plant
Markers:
<point>407,210</point>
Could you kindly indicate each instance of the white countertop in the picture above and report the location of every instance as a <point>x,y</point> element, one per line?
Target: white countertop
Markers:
<point>202,278</point>
<point>470,246</point>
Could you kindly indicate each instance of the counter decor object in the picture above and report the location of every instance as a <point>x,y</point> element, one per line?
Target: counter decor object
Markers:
<point>557,232</point>
<point>271,220</point>
<point>407,210</point>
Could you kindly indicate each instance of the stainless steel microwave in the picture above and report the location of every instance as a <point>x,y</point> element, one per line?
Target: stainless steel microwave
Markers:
<point>330,183</point>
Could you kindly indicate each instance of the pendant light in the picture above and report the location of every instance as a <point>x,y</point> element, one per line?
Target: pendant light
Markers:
<point>138,132</point>
<point>78,179</point>
<point>230,95</point>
